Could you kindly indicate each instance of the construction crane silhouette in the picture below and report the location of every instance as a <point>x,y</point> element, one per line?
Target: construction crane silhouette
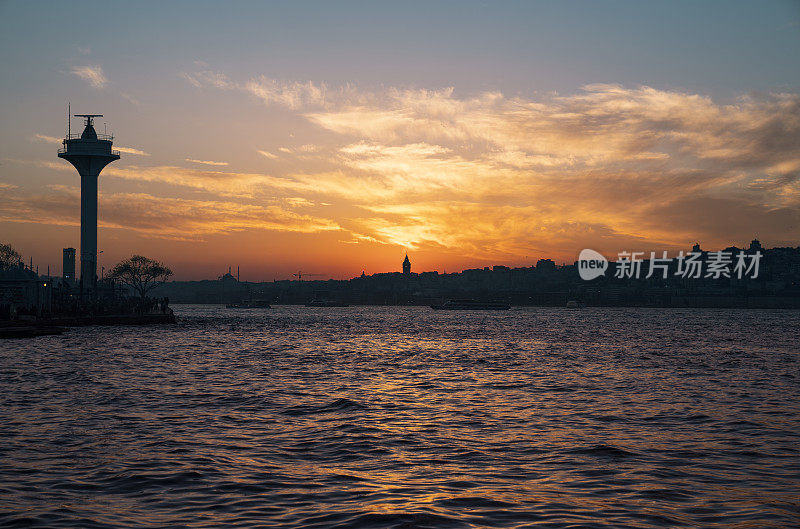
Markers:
<point>299,275</point>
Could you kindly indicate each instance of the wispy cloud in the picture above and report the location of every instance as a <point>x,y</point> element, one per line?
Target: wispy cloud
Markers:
<point>48,139</point>
<point>132,100</point>
<point>92,74</point>
<point>222,183</point>
<point>208,78</point>
<point>206,162</point>
<point>267,154</point>
<point>292,94</point>
<point>129,150</point>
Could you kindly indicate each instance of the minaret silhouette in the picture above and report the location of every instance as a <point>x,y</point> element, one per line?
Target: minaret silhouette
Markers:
<point>89,154</point>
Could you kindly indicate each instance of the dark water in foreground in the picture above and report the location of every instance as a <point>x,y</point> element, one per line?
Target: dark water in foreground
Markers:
<point>405,417</point>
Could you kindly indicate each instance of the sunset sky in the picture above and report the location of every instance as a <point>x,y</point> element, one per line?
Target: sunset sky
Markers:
<point>332,137</point>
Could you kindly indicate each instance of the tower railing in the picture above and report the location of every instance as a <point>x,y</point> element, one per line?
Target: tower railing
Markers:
<point>100,136</point>
<point>64,150</point>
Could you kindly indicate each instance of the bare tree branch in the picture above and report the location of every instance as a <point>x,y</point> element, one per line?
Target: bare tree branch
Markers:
<point>140,273</point>
<point>8,256</point>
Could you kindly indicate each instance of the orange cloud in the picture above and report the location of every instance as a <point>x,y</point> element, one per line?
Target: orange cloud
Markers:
<point>206,162</point>
<point>496,177</point>
<point>172,218</point>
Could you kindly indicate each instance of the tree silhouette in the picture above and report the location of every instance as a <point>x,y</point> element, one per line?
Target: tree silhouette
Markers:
<point>140,273</point>
<point>8,256</point>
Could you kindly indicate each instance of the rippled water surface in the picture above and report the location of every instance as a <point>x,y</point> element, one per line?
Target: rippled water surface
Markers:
<point>406,417</point>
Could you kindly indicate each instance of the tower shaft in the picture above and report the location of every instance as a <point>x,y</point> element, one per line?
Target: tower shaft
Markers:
<point>89,231</point>
<point>89,154</point>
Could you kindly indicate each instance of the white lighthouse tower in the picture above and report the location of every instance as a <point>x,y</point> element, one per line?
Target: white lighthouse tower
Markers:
<point>89,153</point>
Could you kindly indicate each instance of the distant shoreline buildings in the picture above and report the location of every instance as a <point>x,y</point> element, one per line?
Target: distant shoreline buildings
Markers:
<point>545,284</point>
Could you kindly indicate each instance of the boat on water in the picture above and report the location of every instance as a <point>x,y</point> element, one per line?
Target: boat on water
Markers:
<point>470,304</point>
<point>572,304</point>
<point>325,303</point>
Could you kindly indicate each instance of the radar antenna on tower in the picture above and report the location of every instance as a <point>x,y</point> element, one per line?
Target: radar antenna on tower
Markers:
<point>89,118</point>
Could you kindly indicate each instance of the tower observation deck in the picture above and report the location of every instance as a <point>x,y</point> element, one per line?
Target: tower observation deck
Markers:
<point>89,153</point>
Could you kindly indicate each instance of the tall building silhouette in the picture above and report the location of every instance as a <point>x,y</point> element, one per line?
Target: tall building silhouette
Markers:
<point>68,265</point>
<point>89,153</point>
<point>406,265</point>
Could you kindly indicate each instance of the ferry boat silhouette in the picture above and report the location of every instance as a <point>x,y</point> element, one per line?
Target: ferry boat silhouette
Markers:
<point>470,304</point>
